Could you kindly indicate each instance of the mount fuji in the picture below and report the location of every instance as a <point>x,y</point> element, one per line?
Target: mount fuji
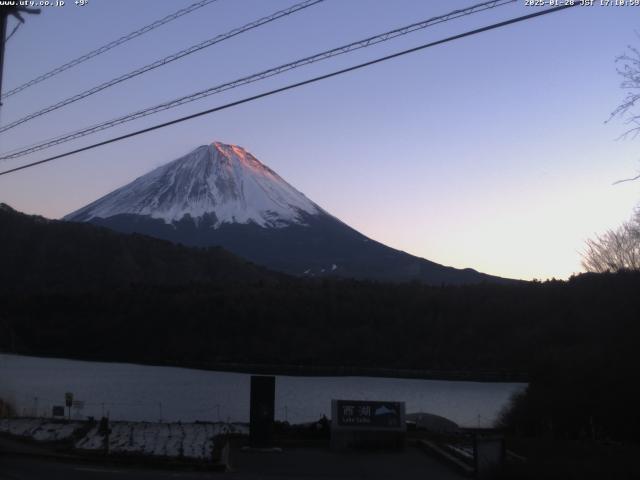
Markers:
<point>220,194</point>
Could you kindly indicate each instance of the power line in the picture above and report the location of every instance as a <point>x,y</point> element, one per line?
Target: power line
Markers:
<point>256,77</point>
<point>164,61</point>
<point>296,85</point>
<point>109,46</point>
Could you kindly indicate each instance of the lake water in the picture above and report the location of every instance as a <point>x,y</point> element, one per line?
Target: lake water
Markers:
<point>146,393</point>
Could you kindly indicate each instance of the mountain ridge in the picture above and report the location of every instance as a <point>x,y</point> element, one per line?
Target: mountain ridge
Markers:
<point>222,195</point>
<point>40,254</point>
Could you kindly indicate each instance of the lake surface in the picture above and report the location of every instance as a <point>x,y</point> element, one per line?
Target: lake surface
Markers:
<point>146,393</point>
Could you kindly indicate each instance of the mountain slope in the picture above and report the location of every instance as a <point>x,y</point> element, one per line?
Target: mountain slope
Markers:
<point>38,254</point>
<point>222,195</point>
<point>223,182</point>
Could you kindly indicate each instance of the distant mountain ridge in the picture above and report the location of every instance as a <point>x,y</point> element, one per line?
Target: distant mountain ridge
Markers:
<point>221,195</point>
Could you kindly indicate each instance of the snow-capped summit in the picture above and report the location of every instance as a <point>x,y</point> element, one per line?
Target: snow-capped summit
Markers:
<point>224,181</point>
<point>222,195</point>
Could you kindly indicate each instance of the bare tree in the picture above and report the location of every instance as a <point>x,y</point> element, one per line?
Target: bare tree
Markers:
<point>615,250</point>
<point>619,249</point>
<point>628,67</point>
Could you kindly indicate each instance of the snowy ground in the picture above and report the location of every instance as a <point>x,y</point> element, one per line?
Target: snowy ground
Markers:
<point>175,440</point>
<point>39,429</point>
<point>179,440</point>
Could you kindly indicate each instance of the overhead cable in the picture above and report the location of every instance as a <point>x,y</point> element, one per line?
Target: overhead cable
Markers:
<point>295,85</point>
<point>383,37</point>
<point>163,61</point>
<point>108,46</point>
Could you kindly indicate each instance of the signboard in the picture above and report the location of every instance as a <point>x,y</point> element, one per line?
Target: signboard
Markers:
<point>68,399</point>
<point>78,404</point>
<point>367,424</point>
<point>57,411</point>
<point>358,413</point>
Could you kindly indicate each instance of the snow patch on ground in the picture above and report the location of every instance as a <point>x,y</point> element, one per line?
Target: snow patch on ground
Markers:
<point>180,440</point>
<point>175,440</point>
<point>39,429</point>
<point>462,451</point>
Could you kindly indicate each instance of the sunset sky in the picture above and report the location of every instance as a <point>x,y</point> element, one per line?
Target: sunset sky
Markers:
<point>489,152</point>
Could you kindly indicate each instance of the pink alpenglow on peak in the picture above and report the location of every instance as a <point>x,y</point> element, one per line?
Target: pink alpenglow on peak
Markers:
<point>219,179</point>
<point>221,195</point>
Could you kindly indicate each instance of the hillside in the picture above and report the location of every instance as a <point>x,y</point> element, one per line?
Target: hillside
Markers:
<point>37,254</point>
<point>79,291</point>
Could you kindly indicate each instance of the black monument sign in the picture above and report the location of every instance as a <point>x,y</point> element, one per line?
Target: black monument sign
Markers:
<point>263,389</point>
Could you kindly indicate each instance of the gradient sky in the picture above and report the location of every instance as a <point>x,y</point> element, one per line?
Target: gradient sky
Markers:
<point>489,152</point>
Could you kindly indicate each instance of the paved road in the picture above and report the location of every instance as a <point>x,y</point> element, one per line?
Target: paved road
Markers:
<point>29,468</point>
<point>299,464</point>
<point>321,464</point>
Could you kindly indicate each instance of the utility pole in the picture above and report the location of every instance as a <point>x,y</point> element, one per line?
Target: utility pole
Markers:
<point>4,17</point>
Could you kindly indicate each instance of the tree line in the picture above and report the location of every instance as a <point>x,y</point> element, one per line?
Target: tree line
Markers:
<point>577,340</point>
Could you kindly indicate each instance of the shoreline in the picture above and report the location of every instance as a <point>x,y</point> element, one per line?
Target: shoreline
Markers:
<point>316,370</point>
